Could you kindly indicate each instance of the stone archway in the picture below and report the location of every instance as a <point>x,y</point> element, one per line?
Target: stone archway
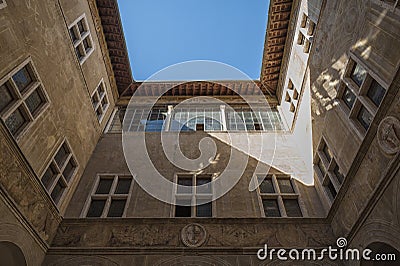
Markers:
<point>11,254</point>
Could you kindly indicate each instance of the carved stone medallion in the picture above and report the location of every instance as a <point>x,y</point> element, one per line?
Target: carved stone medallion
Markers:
<point>193,235</point>
<point>389,135</point>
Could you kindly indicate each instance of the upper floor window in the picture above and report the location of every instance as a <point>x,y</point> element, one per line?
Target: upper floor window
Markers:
<point>278,196</point>
<point>100,101</point>
<point>306,32</point>
<point>109,196</point>
<point>3,4</point>
<point>328,171</point>
<point>22,98</point>
<point>81,38</point>
<point>292,97</point>
<point>193,198</point>
<point>60,172</point>
<point>360,95</point>
<point>195,119</point>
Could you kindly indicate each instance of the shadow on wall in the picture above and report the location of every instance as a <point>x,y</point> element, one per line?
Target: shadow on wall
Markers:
<point>334,39</point>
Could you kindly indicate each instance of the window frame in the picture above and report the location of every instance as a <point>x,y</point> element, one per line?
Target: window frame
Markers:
<point>79,42</point>
<point>362,100</point>
<point>279,196</point>
<point>109,196</point>
<point>60,172</point>
<point>193,196</point>
<point>20,97</point>
<point>329,176</point>
<point>100,99</point>
<point>305,33</point>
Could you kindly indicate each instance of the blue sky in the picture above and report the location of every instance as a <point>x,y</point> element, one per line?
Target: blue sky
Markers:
<point>160,33</point>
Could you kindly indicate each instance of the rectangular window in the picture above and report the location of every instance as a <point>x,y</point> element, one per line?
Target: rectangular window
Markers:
<point>274,189</point>
<point>306,31</point>
<point>60,172</point>
<point>100,101</point>
<point>330,170</point>
<point>194,190</point>
<point>81,38</point>
<point>22,98</point>
<point>356,89</point>
<point>110,196</point>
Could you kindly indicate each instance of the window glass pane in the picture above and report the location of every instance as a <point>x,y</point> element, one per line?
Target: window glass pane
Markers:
<point>57,192</point>
<point>364,117</point>
<point>86,44</point>
<point>104,103</point>
<point>266,185</point>
<point>292,208</point>
<point>331,190</point>
<point>182,210</point>
<point>204,210</point>
<point>34,101</point>
<point>100,89</point>
<point>79,52</point>
<point>49,176</point>
<point>69,170</point>
<point>271,208</point>
<point>285,185</point>
<point>5,96</point>
<point>203,181</point>
<point>339,174</point>
<point>104,186</point>
<point>348,98</point>
<point>376,93</point>
<point>117,208</point>
<point>95,100</point>
<point>22,79</point>
<point>61,156</point>
<point>96,208</point>
<point>184,181</point>
<point>99,113</point>
<point>327,153</point>
<point>15,121</point>
<point>73,34</point>
<point>358,74</point>
<point>123,186</point>
<point>81,28</point>
<point>321,167</point>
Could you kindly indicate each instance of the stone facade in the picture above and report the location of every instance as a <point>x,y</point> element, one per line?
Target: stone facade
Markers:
<point>311,50</point>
